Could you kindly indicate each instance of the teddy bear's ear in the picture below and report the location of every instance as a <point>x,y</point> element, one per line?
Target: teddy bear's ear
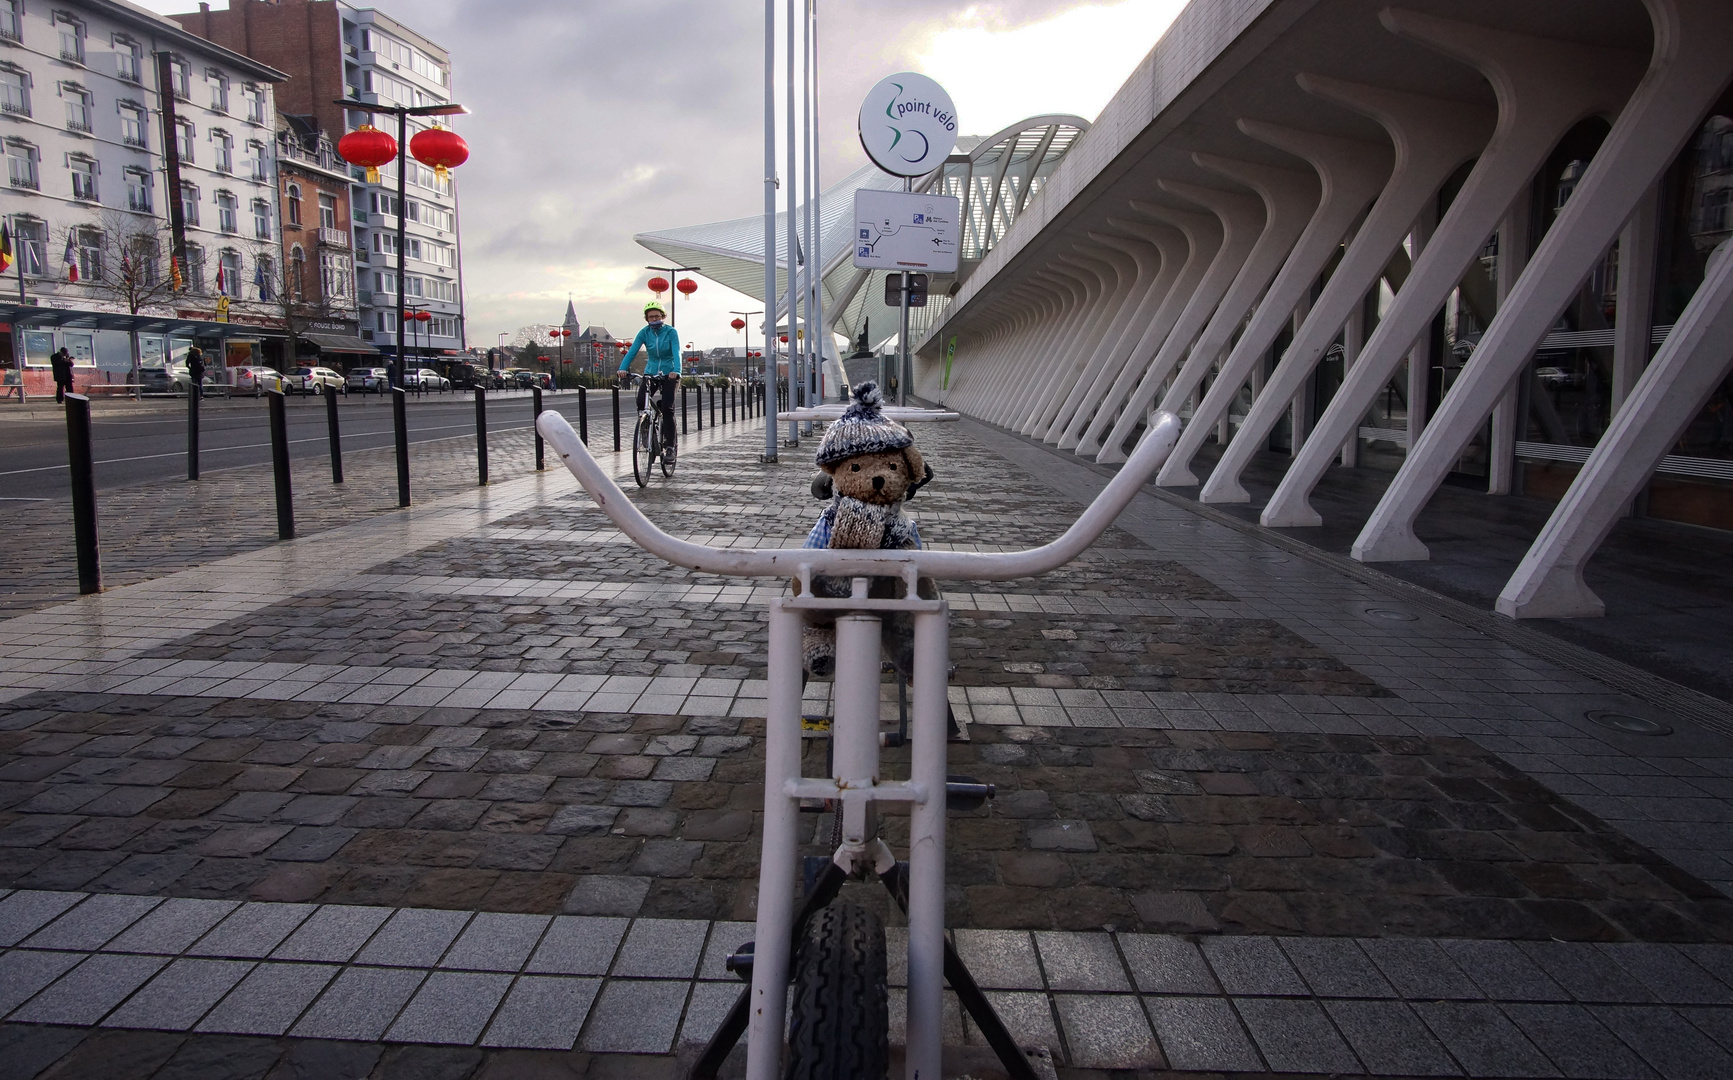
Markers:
<point>822,486</point>
<point>917,465</point>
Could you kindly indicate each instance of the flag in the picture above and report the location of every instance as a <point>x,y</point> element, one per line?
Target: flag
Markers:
<point>126,270</point>
<point>222,286</point>
<point>5,248</point>
<point>259,281</point>
<point>71,260</point>
<point>174,273</point>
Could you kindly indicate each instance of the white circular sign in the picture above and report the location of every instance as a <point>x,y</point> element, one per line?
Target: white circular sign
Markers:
<point>908,125</point>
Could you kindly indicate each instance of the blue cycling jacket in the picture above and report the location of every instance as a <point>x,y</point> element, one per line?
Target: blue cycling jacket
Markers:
<point>661,345</point>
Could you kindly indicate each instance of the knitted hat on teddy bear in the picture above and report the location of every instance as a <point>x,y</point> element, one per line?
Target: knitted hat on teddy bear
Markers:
<point>863,429</point>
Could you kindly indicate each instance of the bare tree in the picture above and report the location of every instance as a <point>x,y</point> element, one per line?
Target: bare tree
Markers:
<point>125,260</point>
<point>279,291</point>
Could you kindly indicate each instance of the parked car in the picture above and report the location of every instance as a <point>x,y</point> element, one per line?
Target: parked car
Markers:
<point>317,380</point>
<point>426,379</point>
<point>369,380</point>
<point>466,376</point>
<point>521,378</point>
<point>173,379</point>
<point>1558,377</point>
<point>255,379</point>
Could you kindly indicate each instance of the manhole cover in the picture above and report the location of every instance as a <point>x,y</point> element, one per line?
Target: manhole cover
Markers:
<point>1625,722</point>
<point>1393,614</point>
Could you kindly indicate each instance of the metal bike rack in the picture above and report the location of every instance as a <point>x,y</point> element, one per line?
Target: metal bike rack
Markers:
<point>855,784</point>
<point>901,414</point>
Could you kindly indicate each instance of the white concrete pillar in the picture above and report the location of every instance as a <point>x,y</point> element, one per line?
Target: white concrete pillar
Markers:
<point>1353,340</point>
<point>1512,258</point>
<point>1151,270</point>
<point>1420,357</point>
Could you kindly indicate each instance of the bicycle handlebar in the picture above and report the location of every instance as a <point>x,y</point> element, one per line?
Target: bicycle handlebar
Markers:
<point>1151,452</point>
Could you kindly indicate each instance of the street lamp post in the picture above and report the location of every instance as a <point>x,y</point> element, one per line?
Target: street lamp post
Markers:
<point>674,273</point>
<point>739,324</point>
<point>403,113</point>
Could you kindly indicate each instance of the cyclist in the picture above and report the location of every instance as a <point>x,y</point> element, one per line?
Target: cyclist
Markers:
<point>661,345</point>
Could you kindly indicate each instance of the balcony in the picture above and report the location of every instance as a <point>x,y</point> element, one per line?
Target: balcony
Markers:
<point>9,33</point>
<point>138,142</point>
<point>78,127</point>
<point>15,108</point>
<point>26,183</point>
<point>334,238</point>
<point>72,56</point>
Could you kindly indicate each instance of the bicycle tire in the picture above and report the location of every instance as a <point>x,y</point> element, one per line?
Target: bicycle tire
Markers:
<point>840,1029</point>
<point>641,452</point>
<point>668,453</point>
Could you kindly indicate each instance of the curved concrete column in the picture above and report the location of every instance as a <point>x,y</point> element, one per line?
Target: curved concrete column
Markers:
<point>1079,289</point>
<point>1691,65</point>
<point>1351,173</point>
<point>1290,199</point>
<point>1204,237</point>
<point>1070,368</point>
<point>1112,273</point>
<point>1146,265</point>
<point>1175,251</point>
<point>1052,297</point>
<point>1544,87</point>
<point>1690,365</point>
<point>1242,218</point>
<point>1021,308</point>
<point>1432,138</point>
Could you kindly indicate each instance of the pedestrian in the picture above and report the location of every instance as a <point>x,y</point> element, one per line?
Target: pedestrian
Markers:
<point>196,371</point>
<point>14,384</point>
<point>61,365</point>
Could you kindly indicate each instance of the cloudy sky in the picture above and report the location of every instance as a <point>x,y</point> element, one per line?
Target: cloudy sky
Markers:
<point>600,119</point>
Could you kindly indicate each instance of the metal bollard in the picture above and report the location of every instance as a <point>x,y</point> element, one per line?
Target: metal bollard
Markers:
<point>683,409</point>
<point>536,399</point>
<point>583,416</point>
<point>700,406</point>
<point>481,434</point>
<point>712,404</point>
<point>336,441</point>
<point>194,393</point>
<point>280,464</point>
<point>616,391</point>
<point>400,424</point>
<point>83,463</point>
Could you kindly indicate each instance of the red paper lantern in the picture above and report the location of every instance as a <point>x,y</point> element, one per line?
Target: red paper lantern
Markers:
<point>783,339</point>
<point>368,147</point>
<point>738,324</point>
<point>422,316</point>
<point>553,333</point>
<point>687,287</point>
<point>565,333</point>
<point>440,147</point>
<point>658,285</point>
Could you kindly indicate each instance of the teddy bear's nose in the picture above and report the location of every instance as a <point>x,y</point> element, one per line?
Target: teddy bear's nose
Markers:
<point>878,483</point>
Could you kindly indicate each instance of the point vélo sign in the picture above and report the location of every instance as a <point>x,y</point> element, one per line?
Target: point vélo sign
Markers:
<point>908,125</point>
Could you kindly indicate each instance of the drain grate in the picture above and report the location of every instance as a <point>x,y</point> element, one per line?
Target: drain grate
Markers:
<point>1625,722</point>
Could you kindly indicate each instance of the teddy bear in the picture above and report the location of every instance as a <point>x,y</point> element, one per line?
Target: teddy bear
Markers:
<point>870,469</point>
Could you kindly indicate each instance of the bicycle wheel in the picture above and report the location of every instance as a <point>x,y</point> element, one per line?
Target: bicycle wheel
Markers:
<point>641,451</point>
<point>667,449</point>
<point>841,1024</point>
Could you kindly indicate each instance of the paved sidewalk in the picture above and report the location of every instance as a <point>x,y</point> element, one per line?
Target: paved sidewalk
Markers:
<point>473,790</point>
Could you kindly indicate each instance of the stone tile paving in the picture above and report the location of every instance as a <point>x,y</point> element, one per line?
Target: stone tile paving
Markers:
<point>1414,816</point>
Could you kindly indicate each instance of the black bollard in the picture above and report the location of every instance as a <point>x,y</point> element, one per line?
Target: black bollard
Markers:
<point>682,408</point>
<point>700,406</point>
<point>280,465</point>
<point>583,415</point>
<point>336,441</point>
<point>400,424</point>
<point>712,404</point>
<point>83,464</point>
<point>616,390</point>
<point>481,434</point>
<point>194,393</point>
<point>536,399</point>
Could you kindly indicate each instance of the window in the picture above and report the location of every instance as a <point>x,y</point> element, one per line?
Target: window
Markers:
<point>9,22</point>
<point>328,275</point>
<point>181,78</point>
<point>71,38</point>
<point>261,219</point>
<point>30,244</point>
<point>226,212</point>
<point>83,177</point>
<point>225,151</point>
<point>190,204</point>
<point>21,162</point>
<point>132,125</point>
<point>442,326</point>
<point>256,159</point>
<point>327,211</point>
<point>229,273</point>
<point>138,190</point>
<point>219,84</point>
<point>14,92</point>
<point>185,133</point>
<point>265,272</point>
<point>77,107</point>
<point>383,203</point>
<point>294,204</point>
<point>437,254</point>
<point>129,56</point>
<point>255,101</point>
<point>297,272</point>
<point>140,263</point>
<point>195,276</point>
<point>440,289</point>
<point>89,244</point>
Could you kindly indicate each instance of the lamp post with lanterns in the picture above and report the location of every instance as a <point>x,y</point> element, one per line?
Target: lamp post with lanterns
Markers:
<point>367,146</point>
<point>684,287</point>
<point>739,324</point>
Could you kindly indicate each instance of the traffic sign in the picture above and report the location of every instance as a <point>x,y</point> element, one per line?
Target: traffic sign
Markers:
<point>896,230</point>
<point>917,290</point>
<point>907,124</point>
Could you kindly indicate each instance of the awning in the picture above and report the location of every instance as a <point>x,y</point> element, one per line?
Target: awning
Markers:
<point>343,343</point>
<point>32,317</point>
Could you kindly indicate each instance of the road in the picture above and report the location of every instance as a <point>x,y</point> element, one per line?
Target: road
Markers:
<point>137,443</point>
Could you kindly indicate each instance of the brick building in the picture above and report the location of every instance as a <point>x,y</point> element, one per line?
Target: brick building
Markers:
<point>318,294</point>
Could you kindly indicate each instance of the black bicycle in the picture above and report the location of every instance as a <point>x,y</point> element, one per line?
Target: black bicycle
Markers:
<point>653,437</point>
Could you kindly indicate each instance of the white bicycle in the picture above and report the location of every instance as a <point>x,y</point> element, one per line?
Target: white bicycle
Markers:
<point>838,1029</point>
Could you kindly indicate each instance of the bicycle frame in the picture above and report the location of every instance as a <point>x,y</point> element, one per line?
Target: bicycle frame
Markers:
<point>855,783</point>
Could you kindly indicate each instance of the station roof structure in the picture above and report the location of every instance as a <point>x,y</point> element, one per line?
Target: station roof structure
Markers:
<point>993,176</point>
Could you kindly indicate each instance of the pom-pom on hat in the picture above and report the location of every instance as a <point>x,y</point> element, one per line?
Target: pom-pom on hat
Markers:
<point>863,429</point>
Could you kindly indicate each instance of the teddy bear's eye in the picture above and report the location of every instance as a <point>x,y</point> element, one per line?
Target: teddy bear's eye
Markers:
<point>893,468</point>
<point>854,468</point>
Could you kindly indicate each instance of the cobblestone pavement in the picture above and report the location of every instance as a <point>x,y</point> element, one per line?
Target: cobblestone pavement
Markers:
<point>491,777</point>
